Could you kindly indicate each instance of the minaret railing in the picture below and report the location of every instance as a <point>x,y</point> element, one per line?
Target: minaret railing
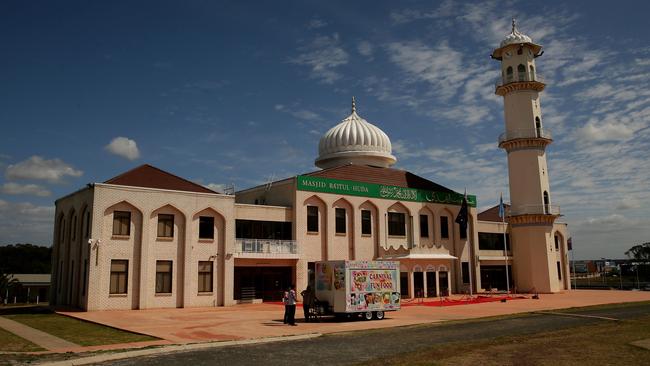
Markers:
<point>547,209</point>
<point>542,133</point>
<point>519,78</point>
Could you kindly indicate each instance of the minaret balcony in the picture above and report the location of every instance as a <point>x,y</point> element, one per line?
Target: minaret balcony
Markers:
<point>526,134</point>
<point>522,81</point>
<point>535,210</point>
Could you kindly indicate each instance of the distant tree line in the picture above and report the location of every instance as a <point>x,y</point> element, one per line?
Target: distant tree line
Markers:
<point>640,252</point>
<point>25,258</point>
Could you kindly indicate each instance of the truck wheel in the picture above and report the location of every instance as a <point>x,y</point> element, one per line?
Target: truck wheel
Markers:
<point>379,315</point>
<point>367,315</point>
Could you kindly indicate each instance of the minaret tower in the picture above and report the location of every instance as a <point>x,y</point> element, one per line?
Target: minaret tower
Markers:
<point>524,140</point>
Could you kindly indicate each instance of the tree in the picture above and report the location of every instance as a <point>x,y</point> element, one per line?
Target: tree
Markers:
<point>6,282</point>
<point>640,252</point>
<point>25,258</point>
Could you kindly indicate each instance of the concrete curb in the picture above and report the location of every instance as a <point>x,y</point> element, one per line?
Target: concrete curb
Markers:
<point>174,348</point>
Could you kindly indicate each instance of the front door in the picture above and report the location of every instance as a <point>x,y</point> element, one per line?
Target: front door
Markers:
<point>431,284</point>
<point>443,283</point>
<point>418,284</point>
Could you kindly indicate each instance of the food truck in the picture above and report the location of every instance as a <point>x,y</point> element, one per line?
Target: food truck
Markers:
<point>367,288</point>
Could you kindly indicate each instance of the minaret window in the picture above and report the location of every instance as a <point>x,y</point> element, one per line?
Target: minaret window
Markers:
<point>509,74</point>
<point>547,205</point>
<point>538,127</point>
<point>532,72</point>
<point>521,71</point>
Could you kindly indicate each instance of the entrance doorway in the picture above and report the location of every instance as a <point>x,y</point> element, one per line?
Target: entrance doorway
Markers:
<point>266,283</point>
<point>431,284</point>
<point>494,277</point>
<point>443,283</point>
<point>404,284</point>
<point>418,284</point>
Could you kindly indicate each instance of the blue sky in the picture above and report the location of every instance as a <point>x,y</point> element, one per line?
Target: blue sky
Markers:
<point>235,93</point>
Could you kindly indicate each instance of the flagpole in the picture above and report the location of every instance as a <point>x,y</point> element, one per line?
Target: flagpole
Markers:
<point>471,256</point>
<point>502,210</point>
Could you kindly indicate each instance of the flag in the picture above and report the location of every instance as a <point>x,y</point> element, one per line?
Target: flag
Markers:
<point>569,244</point>
<point>502,209</point>
<point>461,219</point>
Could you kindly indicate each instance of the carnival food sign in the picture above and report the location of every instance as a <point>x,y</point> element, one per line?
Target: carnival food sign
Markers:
<point>352,188</point>
<point>372,280</point>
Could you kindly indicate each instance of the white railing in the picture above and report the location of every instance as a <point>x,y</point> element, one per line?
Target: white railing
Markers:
<point>517,78</point>
<point>535,209</point>
<point>526,133</point>
<point>266,246</point>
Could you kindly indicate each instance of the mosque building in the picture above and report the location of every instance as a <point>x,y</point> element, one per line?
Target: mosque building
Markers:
<point>150,239</point>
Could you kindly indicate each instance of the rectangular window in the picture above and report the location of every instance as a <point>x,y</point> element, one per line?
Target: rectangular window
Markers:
<point>492,241</point>
<point>340,221</point>
<point>85,275</point>
<point>88,224</point>
<point>312,219</point>
<point>205,276</point>
<point>206,227</point>
<point>255,229</point>
<point>121,223</point>
<point>163,277</point>
<point>165,226</point>
<point>559,271</point>
<point>396,224</point>
<point>424,226</point>
<point>463,233</point>
<point>74,228</point>
<point>119,276</point>
<point>444,227</point>
<point>366,223</point>
<point>465,271</point>
<point>557,243</point>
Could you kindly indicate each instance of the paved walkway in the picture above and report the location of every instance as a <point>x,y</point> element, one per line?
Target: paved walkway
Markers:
<point>253,321</point>
<point>42,339</point>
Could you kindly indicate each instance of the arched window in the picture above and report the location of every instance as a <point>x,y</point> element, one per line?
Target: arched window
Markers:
<point>532,73</point>
<point>509,74</point>
<point>538,127</point>
<point>547,203</point>
<point>521,71</point>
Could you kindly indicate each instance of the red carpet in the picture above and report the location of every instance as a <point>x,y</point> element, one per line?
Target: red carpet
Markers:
<point>449,302</point>
<point>440,302</point>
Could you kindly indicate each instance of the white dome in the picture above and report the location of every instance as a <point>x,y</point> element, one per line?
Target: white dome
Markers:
<point>515,37</point>
<point>354,141</point>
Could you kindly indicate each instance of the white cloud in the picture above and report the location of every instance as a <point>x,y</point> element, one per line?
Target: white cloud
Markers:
<point>323,55</point>
<point>365,48</point>
<point>316,23</point>
<point>37,168</point>
<point>217,187</point>
<point>25,222</point>
<point>12,188</point>
<point>124,147</point>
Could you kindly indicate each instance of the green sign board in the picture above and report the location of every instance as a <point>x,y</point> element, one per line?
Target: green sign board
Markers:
<point>351,188</point>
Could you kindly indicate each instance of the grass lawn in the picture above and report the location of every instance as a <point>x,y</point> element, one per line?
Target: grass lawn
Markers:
<point>10,342</point>
<point>604,343</point>
<point>77,331</point>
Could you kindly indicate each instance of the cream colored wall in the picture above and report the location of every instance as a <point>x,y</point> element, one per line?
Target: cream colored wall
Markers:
<point>70,252</point>
<point>142,248</point>
<point>278,194</point>
<point>527,183</point>
<point>326,245</point>
<point>263,213</point>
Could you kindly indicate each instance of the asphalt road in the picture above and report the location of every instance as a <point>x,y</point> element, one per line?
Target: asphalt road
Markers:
<point>354,347</point>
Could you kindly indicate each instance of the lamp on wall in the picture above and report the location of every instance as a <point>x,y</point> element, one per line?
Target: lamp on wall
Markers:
<point>96,247</point>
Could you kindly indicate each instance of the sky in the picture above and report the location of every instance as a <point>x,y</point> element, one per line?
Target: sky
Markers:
<point>233,92</point>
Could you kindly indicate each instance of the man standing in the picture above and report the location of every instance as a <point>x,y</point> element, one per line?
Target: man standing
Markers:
<point>291,306</point>
<point>307,301</point>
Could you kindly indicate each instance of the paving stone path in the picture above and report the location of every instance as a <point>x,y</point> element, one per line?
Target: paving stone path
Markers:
<point>40,338</point>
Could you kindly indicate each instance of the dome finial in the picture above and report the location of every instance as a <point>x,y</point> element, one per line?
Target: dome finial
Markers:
<point>514,25</point>
<point>354,105</point>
